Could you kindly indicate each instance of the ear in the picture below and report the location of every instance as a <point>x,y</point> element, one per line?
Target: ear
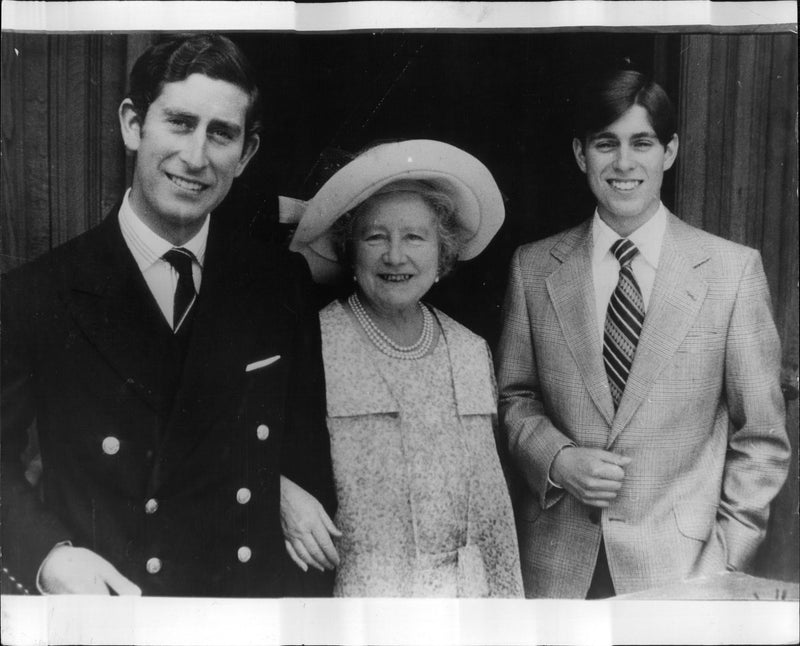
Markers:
<point>251,145</point>
<point>130,123</point>
<point>580,157</point>
<point>671,152</point>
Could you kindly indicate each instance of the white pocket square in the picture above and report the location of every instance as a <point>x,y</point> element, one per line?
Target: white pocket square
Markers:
<point>261,364</point>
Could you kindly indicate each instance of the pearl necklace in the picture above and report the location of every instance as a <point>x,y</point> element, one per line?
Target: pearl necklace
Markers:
<point>381,340</point>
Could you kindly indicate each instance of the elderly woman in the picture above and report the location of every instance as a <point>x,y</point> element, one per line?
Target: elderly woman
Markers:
<point>423,507</point>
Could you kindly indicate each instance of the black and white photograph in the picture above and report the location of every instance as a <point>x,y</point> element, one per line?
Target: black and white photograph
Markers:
<point>399,323</point>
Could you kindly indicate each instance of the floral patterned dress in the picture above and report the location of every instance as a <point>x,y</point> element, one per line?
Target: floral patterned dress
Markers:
<point>423,505</point>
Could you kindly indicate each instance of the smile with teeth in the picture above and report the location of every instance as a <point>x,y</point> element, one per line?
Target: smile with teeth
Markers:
<point>186,184</point>
<point>395,278</point>
<point>624,184</point>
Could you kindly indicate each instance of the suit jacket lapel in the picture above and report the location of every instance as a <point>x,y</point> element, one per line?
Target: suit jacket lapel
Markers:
<point>112,305</point>
<point>226,331</point>
<point>215,348</point>
<point>348,357</point>
<point>677,297</point>
<point>571,290</point>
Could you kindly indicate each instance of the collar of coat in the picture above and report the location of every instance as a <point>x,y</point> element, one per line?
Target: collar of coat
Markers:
<point>356,385</point>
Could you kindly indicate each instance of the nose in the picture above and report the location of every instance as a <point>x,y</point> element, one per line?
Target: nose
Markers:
<point>395,252</point>
<point>193,153</point>
<point>624,158</point>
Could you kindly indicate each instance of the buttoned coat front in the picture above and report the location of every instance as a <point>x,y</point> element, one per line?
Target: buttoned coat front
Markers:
<point>702,416</point>
<point>170,474</point>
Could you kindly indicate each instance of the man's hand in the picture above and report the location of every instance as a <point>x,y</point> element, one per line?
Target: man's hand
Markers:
<point>307,529</point>
<point>593,476</point>
<point>76,570</point>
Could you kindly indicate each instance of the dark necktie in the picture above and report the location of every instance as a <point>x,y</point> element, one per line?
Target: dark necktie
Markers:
<point>624,320</point>
<point>181,260</point>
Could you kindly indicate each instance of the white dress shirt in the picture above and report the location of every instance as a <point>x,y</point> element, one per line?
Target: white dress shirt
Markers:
<point>605,267</point>
<point>148,248</point>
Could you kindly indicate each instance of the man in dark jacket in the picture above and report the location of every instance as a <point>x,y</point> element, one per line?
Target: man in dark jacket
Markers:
<point>170,362</point>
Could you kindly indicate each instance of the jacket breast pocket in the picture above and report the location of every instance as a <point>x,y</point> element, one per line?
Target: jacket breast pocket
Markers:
<point>267,368</point>
<point>262,364</point>
<point>702,340</point>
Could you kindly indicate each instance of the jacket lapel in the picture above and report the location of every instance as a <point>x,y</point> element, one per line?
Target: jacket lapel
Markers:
<point>571,291</point>
<point>109,300</point>
<point>473,379</point>
<point>677,297</point>
<point>220,345</point>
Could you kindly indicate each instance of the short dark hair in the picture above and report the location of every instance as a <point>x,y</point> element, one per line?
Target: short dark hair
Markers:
<point>177,57</point>
<point>606,97</point>
<point>440,203</point>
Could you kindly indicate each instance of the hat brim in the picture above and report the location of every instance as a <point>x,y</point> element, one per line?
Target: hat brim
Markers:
<point>477,199</point>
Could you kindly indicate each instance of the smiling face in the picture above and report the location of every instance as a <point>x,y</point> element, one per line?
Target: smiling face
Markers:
<point>395,252</point>
<point>624,165</point>
<point>189,148</point>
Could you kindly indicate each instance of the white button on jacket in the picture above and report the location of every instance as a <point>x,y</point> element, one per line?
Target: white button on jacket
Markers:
<point>110,445</point>
<point>153,565</point>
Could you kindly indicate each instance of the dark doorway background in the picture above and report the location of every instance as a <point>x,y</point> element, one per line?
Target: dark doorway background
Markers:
<point>503,97</point>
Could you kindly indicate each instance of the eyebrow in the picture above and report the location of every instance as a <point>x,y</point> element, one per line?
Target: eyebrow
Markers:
<point>645,134</point>
<point>169,112</point>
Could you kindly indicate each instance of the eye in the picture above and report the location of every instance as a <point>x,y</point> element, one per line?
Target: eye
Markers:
<point>643,144</point>
<point>178,123</point>
<point>221,136</point>
<point>374,237</point>
<point>604,145</point>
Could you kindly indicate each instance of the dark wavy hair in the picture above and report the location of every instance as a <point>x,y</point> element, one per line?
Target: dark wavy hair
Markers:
<point>606,97</point>
<point>177,57</point>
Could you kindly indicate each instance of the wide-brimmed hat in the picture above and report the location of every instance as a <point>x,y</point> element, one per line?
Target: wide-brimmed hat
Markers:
<point>477,199</point>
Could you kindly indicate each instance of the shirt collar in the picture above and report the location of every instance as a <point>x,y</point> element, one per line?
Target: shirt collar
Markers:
<point>647,238</point>
<point>147,245</point>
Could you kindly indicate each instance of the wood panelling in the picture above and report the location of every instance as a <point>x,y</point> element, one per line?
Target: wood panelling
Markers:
<point>62,158</point>
<point>11,174</point>
<point>737,177</point>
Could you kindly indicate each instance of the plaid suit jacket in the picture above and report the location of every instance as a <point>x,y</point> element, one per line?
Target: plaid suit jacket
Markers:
<point>702,416</point>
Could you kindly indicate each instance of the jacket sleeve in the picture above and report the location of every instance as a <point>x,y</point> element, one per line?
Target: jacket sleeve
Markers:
<point>533,440</point>
<point>30,530</point>
<point>758,453</point>
<point>305,454</point>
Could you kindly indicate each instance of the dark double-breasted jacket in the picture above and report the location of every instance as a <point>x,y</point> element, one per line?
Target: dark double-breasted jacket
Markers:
<point>165,464</point>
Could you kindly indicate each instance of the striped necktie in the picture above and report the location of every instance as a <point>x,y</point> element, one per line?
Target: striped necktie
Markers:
<point>181,260</point>
<point>624,320</point>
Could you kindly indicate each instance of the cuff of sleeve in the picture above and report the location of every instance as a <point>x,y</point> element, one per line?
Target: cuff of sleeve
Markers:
<point>39,572</point>
<point>550,483</point>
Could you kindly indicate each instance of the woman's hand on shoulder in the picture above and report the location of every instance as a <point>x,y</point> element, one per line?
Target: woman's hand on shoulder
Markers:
<point>307,529</point>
